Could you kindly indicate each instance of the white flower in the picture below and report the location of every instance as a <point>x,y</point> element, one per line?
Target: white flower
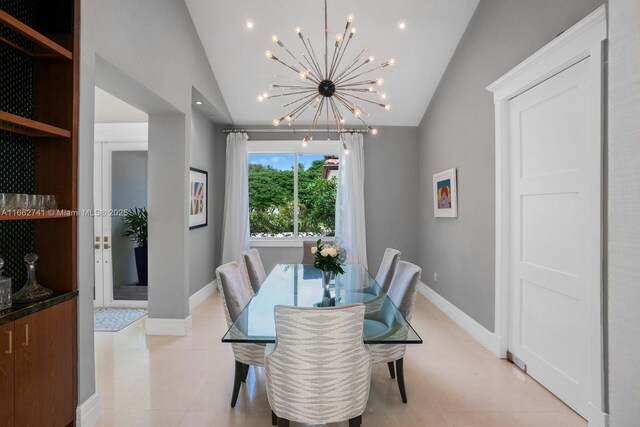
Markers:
<point>314,249</point>
<point>325,252</point>
<point>333,252</point>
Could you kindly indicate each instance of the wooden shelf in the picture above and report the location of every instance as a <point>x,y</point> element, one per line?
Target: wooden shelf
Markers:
<point>52,48</point>
<point>23,126</point>
<point>17,215</point>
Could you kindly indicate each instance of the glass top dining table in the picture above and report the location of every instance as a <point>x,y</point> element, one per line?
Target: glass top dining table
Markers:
<point>302,286</point>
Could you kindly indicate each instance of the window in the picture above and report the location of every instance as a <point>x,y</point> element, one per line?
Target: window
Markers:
<point>292,193</point>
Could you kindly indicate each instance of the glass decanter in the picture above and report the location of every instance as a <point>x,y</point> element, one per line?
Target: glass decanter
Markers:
<point>5,289</point>
<point>31,291</point>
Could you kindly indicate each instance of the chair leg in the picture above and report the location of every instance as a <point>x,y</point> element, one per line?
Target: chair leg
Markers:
<point>236,383</point>
<point>282,422</point>
<point>245,372</point>
<point>274,419</point>
<point>400,371</point>
<point>392,370</point>
<point>355,422</point>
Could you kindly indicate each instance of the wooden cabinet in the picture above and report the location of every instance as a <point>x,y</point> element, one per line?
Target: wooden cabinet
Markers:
<point>36,368</point>
<point>39,46</point>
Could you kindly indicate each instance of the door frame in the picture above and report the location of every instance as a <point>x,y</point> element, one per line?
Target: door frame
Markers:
<point>584,40</point>
<point>109,138</point>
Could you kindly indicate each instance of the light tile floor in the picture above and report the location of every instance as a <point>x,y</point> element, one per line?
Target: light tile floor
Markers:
<point>186,381</point>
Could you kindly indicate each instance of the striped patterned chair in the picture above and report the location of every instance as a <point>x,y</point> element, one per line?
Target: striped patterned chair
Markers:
<point>235,297</point>
<point>402,291</point>
<point>255,269</point>
<point>319,370</point>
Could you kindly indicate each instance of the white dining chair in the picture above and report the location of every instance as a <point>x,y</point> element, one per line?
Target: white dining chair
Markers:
<point>235,297</point>
<point>319,370</point>
<point>387,268</point>
<point>402,292</point>
<point>255,269</point>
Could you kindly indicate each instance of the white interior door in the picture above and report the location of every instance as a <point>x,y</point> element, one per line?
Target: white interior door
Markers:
<point>555,227</point>
<point>103,249</point>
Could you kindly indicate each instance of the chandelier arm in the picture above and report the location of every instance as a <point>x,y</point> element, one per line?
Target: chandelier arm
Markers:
<point>291,93</point>
<point>334,65</point>
<point>353,106</point>
<point>326,42</point>
<point>298,111</point>
<point>346,45</point>
<point>313,123</point>
<point>358,75</point>
<point>358,90</point>
<point>299,99</point>
<point>304,67</point>
<point>342,79</point>
<point>277,86</point>
<point>315,57</point>
<point>366,100</point>
<point>353,63</point>
<point>275,58</point>
<point>335,114</point>
<point>298,80</point>
<point>311,67</point>
<point>360,83</point>
<point>314,66</point>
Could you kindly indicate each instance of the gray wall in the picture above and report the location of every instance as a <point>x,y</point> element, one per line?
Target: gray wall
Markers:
<point>624,212</point>
<point>128,191</point>
<point>458,131</point>
<point>391,184</point>
<point>202,241</point>
<point>148,54</point>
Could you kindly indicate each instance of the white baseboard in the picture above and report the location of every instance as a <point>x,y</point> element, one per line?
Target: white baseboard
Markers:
<point>486,338</point>
<point>168,327</point>
<point>597,418</point>
<point>88,412</point>
<point>201,295</point>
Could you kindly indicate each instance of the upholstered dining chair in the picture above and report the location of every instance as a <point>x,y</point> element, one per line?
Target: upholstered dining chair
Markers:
<point>387,268</point>
<point>235,297</point>
<point>402,292</point>
<point>255,269</point>
<point>319,370</point>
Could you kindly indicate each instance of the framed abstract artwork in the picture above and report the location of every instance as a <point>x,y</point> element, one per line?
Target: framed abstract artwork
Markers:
<point>198,198</point>
<point>445,194</point>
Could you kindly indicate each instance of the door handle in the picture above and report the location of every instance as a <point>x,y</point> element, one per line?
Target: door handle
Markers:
<point>10,338</point>
<point>26,335</point>
<point>97,244</point>
<point>106,243</point>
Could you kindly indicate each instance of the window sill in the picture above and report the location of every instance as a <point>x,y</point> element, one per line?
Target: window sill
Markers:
<point>283,242</point>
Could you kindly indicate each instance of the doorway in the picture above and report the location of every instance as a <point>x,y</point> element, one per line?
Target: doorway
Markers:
<point>120,190</point>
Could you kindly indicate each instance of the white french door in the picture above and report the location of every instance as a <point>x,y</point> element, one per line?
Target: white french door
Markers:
<point>555,231</point>
<point>103,215</point>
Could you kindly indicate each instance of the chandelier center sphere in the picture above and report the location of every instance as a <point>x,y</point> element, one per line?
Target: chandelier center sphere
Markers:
<point>327,88</point>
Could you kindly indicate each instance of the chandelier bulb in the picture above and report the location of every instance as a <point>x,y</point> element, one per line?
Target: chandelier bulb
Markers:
<point>298,30</point>
<point>392,62</point>
<point>357,112</point>
<point>383,95</point>
<point>276,122</point>
<point>380,81</point>
<point>387,107</point>
<point>353,31</point>
<point>260,98</point>
<point>350,17</point>
<point>288,118</point>
<point>339,37</point>
<point>371,58</point>
<point>274,38</point>
<point>268,54</point>
<point>370,89</point>
<point>374,131</point>
<point>303,74</point>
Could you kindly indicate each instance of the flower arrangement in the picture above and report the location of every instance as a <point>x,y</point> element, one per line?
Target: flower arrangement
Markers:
<point>328,256</point>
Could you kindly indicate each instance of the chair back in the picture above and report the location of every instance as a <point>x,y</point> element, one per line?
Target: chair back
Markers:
<point>404,286</point>
<point>235,295</point>
<point>255,269</point>
<point>387,268</point>
<point>319,371</point>
<point>307,256</point>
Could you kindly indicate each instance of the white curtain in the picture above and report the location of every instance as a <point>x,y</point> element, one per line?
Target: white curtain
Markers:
<point>350,222</point>
<point>235,228</point>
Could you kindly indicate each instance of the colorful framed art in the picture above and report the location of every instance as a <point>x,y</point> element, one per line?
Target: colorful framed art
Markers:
<point>198,198</point>
<point>445,194</point>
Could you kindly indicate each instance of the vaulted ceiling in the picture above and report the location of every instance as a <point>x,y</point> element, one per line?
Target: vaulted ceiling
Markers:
<point>422,49</point>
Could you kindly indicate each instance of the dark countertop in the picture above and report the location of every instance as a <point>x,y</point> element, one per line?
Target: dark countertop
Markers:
<point>17,311</point>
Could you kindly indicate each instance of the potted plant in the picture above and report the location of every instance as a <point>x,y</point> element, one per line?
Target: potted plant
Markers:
<point>135,228</point>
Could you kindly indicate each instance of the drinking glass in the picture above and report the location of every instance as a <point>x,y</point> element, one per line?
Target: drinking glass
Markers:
<point>32,201</point>
<point>50,201</point>
<point>4,201</point>
<point>21,201</point>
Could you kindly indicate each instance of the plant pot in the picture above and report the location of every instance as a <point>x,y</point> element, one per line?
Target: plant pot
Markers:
<point>141,265</point>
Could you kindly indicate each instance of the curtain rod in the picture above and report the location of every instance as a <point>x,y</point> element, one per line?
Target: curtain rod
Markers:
<point>301,131</point>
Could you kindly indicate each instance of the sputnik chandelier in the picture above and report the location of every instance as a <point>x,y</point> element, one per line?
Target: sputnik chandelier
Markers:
<point>330,89</point>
